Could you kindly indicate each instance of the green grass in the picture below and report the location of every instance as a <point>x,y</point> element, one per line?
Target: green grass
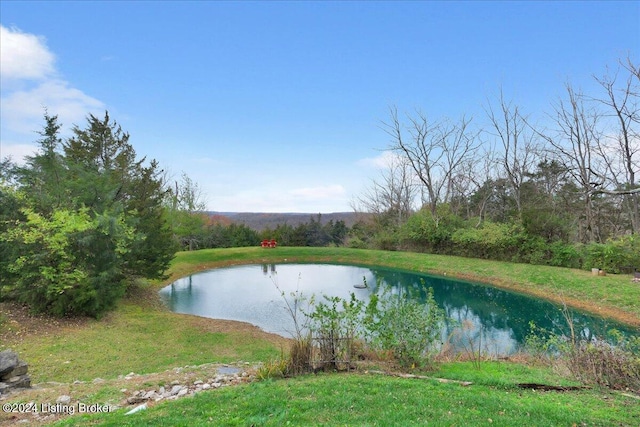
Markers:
<point>612,295</point>
<point>374,400</point>
<point>134,339</point>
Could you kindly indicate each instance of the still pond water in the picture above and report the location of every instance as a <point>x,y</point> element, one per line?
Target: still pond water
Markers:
<point>497,319</point>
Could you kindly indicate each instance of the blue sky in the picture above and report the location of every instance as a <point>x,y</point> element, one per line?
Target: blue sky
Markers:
<point>276,106</point>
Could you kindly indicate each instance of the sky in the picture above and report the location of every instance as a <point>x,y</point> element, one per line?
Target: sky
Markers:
<point>278,106</point>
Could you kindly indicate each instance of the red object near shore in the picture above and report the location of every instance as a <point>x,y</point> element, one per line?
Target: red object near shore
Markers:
<point>269,243</point>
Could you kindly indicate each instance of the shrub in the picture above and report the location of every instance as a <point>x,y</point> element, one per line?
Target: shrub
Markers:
<point>601,363</point>
<point>70,263</point>
<point>405,327</point>
<point>276,368</point>
<point>335,325</point>
<point>300,356</point>
<point>593,361</point>
<point>615,256</point>
<point>565,255</point>
<point>428,232</point>
<point>385,240</point>
<point>491,241</point>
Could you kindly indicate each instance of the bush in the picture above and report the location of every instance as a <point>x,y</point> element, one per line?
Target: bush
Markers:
<point>614,364</point>
<point>428,232</point>
<point>565,255</point>
<point>405,327</point>
<point>335,326</point>
<point>390,324</point>
<point>490,241</point>
<point>69,263</point>
<point>300,356</point>
<point>615,256</point>
<point>386,240</point>
<point>601,363</point>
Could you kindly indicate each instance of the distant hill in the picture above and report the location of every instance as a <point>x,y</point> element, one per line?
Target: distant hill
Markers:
<point>259,221</point>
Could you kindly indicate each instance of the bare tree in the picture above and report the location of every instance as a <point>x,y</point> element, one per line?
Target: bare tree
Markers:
<point>621,149</point>
<point>576,146</point>
<point>518,143</point>
<point>393,195</point>
<point>473,180</point>
<point>434,151</point>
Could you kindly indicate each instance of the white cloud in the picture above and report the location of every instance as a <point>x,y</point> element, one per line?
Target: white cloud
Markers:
<point>24,56</point>
<point>17,152</point>
<point>22,110</point>
<point>30,83</point>
<point>319,193</point>
<point>325,199</point>
<point>382,161</point>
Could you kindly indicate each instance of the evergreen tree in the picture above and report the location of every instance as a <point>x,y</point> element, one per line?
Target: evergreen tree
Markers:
<point>91,220</point>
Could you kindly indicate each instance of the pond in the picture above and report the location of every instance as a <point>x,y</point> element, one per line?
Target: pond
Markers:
<point>496,319</point>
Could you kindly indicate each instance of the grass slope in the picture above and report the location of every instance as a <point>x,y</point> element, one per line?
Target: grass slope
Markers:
<point>373,400</point>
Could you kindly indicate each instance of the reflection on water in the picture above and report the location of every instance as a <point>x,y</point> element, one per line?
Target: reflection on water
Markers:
<point>499,320</point>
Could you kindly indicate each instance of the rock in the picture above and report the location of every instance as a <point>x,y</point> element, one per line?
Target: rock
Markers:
<point>161,390</point>
<point>137,409</point>
<point>4,388</point>
<point>206,386</point>
<point>183,392</point>
<point>22,381</point>
<point>132,400</point>
<point>64,399</point>
<point>198,382</point>
<point>13,372</point>
<point>8,362</point>
<point>175,389</point>
<point>98,381</point>
<point>20,369</point>
<point>151,394</point>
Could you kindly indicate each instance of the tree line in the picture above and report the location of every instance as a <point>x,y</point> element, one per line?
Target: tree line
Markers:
<point>207,231</point>
<point>564,192</point>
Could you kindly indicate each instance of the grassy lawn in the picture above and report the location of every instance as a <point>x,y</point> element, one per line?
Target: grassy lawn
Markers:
<point>142,336</point>
<point>135,339</point>
<point>373,400</point>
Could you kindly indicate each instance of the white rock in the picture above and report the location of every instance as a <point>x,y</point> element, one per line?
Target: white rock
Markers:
<point>64,399</point>
<point>206,386</point>
<point>137,409</point>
